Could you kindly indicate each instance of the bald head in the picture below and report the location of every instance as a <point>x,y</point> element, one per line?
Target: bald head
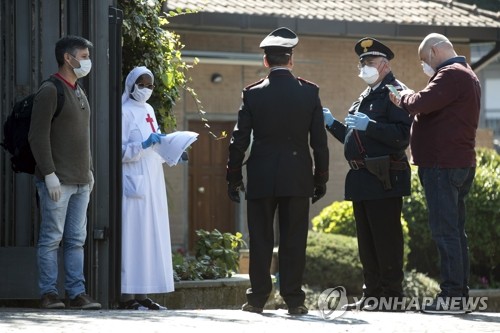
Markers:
<point>435,49</point>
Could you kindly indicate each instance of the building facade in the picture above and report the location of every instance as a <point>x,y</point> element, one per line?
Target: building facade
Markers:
<point>225,36</point>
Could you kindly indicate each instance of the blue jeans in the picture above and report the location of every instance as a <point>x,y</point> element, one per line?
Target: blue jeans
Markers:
<point>66,221</point>
<point>445,192</point>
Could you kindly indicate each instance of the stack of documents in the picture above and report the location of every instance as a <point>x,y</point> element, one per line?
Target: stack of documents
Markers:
<point>174,144</point>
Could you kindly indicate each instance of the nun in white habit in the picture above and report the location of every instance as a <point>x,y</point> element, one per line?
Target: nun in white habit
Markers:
<point>146,249</point>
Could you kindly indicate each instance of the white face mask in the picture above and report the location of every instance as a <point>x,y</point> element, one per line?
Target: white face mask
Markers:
<point>369,74</point>
<point>84,69</point>
<point>427,68</point>
<point>141,95</point>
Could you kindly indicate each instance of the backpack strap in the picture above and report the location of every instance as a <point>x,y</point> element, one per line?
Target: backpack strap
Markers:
<point>60,94</point>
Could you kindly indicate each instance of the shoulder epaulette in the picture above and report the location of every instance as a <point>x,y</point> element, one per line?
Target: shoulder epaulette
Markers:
<point>308,82</point>
<point>254,84</point>
<point>400,85</point>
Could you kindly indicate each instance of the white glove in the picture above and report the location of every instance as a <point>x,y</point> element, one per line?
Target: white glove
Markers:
<point>53,186</point>
<point>91,184</point>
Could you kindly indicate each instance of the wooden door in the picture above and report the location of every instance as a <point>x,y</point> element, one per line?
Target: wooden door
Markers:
<point>209,205</point>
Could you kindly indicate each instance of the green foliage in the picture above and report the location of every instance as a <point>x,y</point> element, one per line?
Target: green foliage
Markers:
<point>222,249</point>
<point>338,218</point>
<point>423,254</point>
<point>217,256</point>
<point>147,43</point>
<point>483,216</point>
<point>190,268</point>
<point>419,285</point>
<point>415,284</point>
<point>482,221</point>
<point>332,260</point>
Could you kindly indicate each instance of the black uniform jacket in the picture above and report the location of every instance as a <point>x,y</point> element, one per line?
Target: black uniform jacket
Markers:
<point>284,115</point>
<point>389,134</point>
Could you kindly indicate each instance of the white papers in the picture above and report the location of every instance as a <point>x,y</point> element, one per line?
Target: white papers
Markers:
<point>174,144</point>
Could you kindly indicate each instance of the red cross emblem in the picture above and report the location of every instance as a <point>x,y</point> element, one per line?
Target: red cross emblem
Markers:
<point>150,121</point>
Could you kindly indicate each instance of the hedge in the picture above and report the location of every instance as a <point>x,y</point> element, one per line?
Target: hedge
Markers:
<point>482,222</point>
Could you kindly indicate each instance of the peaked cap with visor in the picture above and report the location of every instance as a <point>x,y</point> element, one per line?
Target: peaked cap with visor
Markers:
<point>280,41</point>
<point>370,47</point>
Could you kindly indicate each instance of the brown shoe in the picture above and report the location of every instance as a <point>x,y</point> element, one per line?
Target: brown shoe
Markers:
<point>250,308</point>
<point>84,302</point>
<point>51,301</point>
<point>298,310</point>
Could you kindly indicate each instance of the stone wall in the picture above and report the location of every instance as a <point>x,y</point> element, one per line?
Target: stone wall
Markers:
<point>228,293</point>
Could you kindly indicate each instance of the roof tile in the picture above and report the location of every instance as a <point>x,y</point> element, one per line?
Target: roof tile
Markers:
<point>437,12</point>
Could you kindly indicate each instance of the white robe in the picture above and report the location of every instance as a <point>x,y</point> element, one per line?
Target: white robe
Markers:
<point>146,249</point>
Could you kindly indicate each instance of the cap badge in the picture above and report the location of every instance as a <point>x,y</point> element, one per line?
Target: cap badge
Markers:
<point>366,44</point>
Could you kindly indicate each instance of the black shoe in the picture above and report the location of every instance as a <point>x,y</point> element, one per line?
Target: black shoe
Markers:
<point>51,301</point>
<point>363,303</point>
<point>150,304</point>
<point>445,305</point>
<point>84,302</point>
<point>298,310</point>
<point>129,305</point>
<point>250,308</point>
<point>467,305</point>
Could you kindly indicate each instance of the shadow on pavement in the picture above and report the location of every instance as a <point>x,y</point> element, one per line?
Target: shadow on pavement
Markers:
<point>475,316</point>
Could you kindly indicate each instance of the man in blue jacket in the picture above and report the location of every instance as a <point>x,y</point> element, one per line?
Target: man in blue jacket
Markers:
<point>375,137</point>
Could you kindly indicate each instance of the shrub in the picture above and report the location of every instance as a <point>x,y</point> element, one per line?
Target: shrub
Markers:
<point>217,256</point>
<point>419,285</point>
<point>191,268</point>
<point>332,260</point>
<point>423,254</point>
<point>483,216</point>
<point>482,221</point>
<point>221,249</point>
<point>338,218</point>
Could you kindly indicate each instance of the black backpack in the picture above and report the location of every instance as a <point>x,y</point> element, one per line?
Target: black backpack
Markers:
<point>17,126</point>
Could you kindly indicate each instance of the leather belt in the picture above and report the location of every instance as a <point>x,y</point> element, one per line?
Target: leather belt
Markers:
<point>395,165</point>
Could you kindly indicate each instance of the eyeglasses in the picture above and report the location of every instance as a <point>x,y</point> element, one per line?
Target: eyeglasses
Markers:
<point>370,63</point>
<point>142,86</point>
<point>79,96</point>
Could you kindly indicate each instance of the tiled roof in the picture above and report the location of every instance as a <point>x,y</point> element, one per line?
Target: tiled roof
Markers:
<point>407,12</point>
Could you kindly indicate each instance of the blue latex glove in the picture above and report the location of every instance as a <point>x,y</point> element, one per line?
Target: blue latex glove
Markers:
<point>358,121</point>
<point>327,115</point>
<point>153,138</point>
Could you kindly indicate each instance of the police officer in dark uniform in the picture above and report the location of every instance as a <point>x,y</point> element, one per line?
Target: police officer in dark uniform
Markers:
<point>282,115</point>
<point>375,137</point>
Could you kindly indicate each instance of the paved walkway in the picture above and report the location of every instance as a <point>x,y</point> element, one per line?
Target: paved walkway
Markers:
<point>111,321</point>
